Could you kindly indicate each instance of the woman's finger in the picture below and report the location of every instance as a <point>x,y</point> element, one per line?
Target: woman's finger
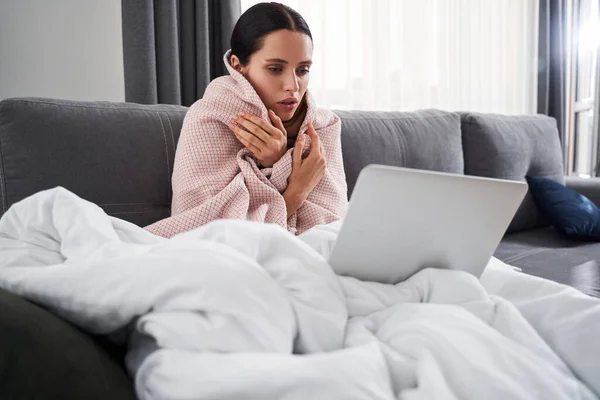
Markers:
<point>277,122</point>
<point>253,129</point>
<point>249,136</point>
<point>315,142</point>
<point>247,139</point>
<point>297,155</point>
<point>264,126</point>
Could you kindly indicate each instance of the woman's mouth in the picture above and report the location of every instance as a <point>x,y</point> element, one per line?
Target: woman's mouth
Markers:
<point>287,104</point>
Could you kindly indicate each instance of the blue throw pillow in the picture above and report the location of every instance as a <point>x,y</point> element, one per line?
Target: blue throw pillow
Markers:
<point>569,212</point>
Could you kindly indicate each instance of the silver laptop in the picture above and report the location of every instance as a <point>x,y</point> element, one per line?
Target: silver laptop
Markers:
<point>403,220</point>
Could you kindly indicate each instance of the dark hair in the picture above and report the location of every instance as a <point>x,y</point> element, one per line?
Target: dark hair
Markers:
<point>260,20</point>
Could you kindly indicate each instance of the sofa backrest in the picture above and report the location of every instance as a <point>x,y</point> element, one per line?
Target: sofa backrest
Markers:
<point>120,155</point>
<point>427,139</point>
<point>512,147</point>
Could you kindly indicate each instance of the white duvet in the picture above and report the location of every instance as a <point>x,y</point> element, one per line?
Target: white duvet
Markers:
<point>239,310</point>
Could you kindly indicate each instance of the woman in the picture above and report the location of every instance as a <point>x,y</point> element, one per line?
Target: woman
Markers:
<point>255,147</point>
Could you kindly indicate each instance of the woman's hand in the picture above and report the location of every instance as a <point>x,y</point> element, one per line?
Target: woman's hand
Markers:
<point>267,142</point>
<point>306,173</point>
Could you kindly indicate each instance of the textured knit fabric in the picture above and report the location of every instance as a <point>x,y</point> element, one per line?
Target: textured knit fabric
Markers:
<point>216,177</point>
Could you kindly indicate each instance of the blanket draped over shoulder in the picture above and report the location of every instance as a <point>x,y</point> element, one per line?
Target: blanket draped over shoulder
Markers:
<point>216,177</point>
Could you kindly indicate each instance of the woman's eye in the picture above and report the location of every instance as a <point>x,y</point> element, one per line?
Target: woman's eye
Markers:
<point>303,72</point>
<point>274,69</point>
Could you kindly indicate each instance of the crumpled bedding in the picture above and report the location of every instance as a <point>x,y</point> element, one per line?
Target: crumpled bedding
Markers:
<point>239,309</point>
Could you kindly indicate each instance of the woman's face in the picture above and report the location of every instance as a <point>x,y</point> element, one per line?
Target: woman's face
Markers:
<point>279,71</point>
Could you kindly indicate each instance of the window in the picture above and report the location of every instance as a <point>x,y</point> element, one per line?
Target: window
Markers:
<point>586,26</point>
<point>407,54</point>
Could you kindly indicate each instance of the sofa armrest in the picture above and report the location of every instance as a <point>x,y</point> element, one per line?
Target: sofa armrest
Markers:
<point>589,187</point>
<point>44,357</point>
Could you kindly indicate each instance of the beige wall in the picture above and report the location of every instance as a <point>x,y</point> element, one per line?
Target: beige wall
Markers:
<point>67,49</point>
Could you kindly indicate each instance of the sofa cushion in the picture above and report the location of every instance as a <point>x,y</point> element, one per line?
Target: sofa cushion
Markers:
<point>545,253</point>
<point>511,147</point>
<point>427,139</point>
<point>571,213</point>
<point>117,155</point>
<point>43,357</point>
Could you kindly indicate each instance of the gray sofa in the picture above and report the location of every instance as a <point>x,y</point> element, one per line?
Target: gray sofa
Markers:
<point>120,156</point>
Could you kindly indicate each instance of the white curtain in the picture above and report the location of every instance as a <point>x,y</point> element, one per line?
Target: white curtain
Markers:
<point>475,55</point>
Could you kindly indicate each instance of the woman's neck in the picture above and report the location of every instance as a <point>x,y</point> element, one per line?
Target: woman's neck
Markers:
<point>292,126</point>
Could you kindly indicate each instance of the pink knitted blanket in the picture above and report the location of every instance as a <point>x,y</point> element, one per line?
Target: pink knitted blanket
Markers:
<point>215,177</point>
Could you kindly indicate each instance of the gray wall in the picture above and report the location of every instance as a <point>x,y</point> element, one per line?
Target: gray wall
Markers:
<point>67,49</point>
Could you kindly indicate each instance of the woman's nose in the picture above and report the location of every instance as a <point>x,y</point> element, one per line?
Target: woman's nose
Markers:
<point>291,83</point>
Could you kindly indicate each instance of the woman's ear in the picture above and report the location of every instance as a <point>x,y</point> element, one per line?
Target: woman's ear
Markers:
<point>235,63</point>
